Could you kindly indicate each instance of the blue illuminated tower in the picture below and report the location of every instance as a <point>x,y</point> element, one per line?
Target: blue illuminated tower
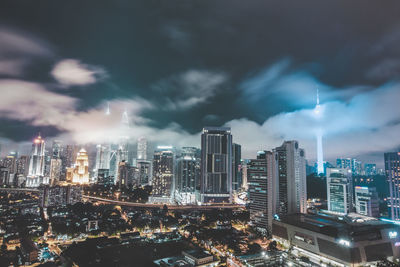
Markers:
<point>320,153</point>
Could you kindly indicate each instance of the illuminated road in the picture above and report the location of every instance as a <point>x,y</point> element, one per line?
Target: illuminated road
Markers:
<point>170,207</point>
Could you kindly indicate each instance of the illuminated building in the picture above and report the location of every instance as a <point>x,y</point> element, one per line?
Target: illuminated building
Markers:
<point>127,175</point>
<point>144,168</point>
<point>142,148</point>
<point>216,165</point>
<point>367,202</point>
<point>338,240</point>
<point>56,149</point>
<point>339,190</point>
<point>392,170</point>
<point>163,172</point>
<point>67,158</point>
<point>55,170</point>
<point>37,164</point>
<point>80,173</point>
<point>56,196</point>
<point>291,195</point>
<point>121,152</point>
<point>187,174</point>
<point>261,182</point>
<point>370,169</point>
<point>23,165</point>
<point>103,153</point>
<point>320,156</point>
<point>236,170</point>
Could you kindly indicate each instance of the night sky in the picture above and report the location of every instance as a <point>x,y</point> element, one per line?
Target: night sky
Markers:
<point>177,66</point>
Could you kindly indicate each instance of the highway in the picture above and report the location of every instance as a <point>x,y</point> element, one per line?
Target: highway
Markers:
<point>170,207</point>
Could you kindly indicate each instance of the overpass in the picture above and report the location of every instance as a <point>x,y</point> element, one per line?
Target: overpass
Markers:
<point>160,206</point>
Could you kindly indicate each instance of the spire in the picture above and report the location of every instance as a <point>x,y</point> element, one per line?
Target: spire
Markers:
<point>125,119</point>
<point>317,96</point>
<point>108,108</point>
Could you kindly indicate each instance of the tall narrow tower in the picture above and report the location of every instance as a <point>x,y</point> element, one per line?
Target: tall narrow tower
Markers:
<point>320,153</point>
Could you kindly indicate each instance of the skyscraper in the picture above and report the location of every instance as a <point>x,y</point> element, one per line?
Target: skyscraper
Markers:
<point>339,190</point>
<point>144,169</point>
<point>102,157</point>
<point>236,170</point>
<point>216,165</point>
<point>392,170</point>
<point>56,149</point>
<point>37,164</point>
<point>320,156</point>
<point>261,177</point>
<point>291,178</point>
<point>367,202</point>
<point>80,174</point>
<point>163,173</point>
<point>187,174</point>
<point>142,149</point>
<point>55,170</point>
<point>370,169</point>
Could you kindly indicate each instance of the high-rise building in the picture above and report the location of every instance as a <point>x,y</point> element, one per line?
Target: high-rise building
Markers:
<point>55,170</point>
<point>68,159</point>
<point>36,163</point>
<point>370,169</point>
<point>392,170</point>
<point>187,174</point>
<point>339,190</point>
<point>236,168</point>
<point>80,173</point>
<point>216,165</point>
<point>102,157</point>
<point>56,149</point>
<point>142,149</point>
<point>349,163</point>
<point>144,169</point>
<point>4,176</point>
<point>367,202</point>
<point>128,175</point>
<point>104,178</point>
<point>261,174</point>
<point>291,185</point>
<point>23,165</point>
<point>163,173</point>
<point>57,196</point>
<point>37,160</point>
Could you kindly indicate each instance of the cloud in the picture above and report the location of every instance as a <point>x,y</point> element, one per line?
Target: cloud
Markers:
<point>384,70</point>
<point>18,49</point>
<point>368,122</point>
<point>190,88</point>
<point>73,72</point>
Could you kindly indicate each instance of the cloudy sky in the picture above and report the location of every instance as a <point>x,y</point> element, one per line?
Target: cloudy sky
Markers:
<point>176,66</point>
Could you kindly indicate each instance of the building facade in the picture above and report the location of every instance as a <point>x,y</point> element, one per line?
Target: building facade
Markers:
<point>163,172</point>
<point>392,171</point>
<point>339,190</point>
<point>216,165</point>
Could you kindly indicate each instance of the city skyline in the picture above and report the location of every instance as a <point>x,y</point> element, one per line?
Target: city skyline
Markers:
<point>265,93</point>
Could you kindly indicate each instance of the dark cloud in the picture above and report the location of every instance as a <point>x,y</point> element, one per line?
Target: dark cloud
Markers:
<point>245,61</point>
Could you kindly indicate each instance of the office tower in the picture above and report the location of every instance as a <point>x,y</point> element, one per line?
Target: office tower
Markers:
<point>356,167</point>
<point>67,158</point>
<point>56,149</point>
<point>55,170</point>
<point>37,160</point>
<point>236,168</point>
<point>80,173</point>
<point>291,189</point>
<point>187,174</point>
<point>104,178</point>
<point>10,162</point>
<point>4,176</point>
<point>367,202</point>
<point>144,169</point>
<point>261,178</point>
<point>244,174</point>
<point>142,148</point>
<point>392,170</point>
<point>23,165</point>
<point>370,169</point>
<point>128,175</point>
<point>339,190</point>
<point>343,163</point>
<point>216,165</point>
<point>163,172</point>
<point>102,157</point>
<point>36,172</point>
